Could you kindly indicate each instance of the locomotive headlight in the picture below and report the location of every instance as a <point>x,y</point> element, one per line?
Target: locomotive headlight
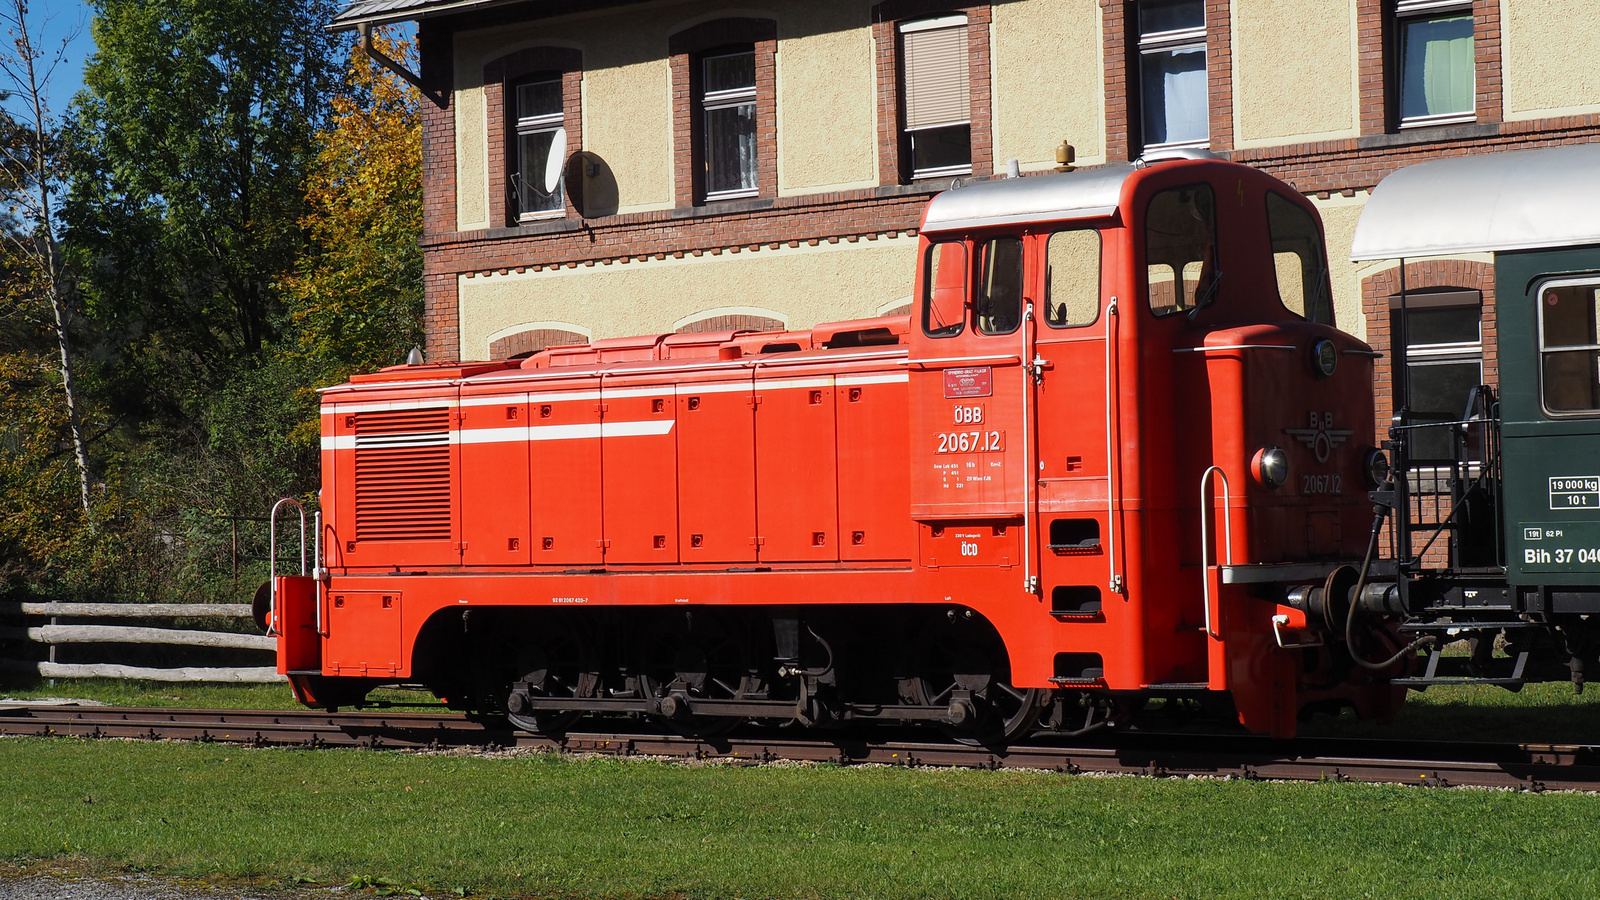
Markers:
<point>1270,466</point>
<point>1324,357</point>
<point>1376,468</point>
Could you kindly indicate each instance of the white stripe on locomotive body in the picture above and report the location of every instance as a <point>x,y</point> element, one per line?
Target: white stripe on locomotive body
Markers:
<point>858,380</point>
<point>404,439</point>
<point>512,434</point>
<point>619,393</point>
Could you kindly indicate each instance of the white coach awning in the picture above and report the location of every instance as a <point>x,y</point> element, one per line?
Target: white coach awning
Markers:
<point>1519,200</point>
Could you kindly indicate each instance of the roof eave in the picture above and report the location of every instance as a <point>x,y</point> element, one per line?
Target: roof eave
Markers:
<point>414,14</point>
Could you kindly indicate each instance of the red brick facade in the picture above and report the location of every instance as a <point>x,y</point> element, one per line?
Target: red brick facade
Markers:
<point>527,343</point>
<point>731,323</point>
<point>893,165</point>
<point>1378,292</point>
<point>767,221</point>
<point>688,165</point>
<point>498,77</point>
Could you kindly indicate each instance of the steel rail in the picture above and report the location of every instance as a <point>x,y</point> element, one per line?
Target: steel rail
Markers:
<point>1535,767</point>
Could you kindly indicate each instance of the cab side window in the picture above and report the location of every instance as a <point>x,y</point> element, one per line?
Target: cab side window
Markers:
<point>1569,347</point>
<point>1072,285</point>
<point>1181,249</point>
<point>999,300</point>
<point>1298,260</point>
<point>944,301</point>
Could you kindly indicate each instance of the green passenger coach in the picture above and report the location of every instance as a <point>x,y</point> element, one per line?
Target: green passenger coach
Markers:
<point>1494,512</point>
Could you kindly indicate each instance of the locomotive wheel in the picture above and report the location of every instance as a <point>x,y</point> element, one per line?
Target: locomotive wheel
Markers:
<point>700,658</point>
<point>962,676</point>
<point>560,662</point>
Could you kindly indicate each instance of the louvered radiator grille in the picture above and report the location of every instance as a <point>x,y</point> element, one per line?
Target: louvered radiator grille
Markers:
<point>403,475</point>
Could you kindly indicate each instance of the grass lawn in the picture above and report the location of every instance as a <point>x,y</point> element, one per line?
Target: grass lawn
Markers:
<point>117,692</point>
<point>550,827</point>
<point>1539,713</point>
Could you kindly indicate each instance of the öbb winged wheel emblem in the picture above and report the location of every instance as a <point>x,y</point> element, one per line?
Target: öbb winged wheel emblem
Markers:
<point>1321,437</point>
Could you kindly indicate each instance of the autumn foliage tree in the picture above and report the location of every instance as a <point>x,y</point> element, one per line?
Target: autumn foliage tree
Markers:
<point>355,297</point>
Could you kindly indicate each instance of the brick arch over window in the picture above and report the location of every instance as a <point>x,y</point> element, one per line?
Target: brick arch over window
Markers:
<point>893,167</point>
<point>683,47</point>
<point>527,343</point>
<point>732,322</point>
<point>500,107</point>
<point>1377,291</point>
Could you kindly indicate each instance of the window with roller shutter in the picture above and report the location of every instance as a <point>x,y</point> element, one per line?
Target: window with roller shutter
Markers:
<point>937,95</point>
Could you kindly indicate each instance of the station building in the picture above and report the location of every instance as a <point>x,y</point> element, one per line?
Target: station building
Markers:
<point>599,168</point>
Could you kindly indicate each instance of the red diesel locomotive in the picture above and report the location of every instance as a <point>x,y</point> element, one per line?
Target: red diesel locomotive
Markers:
<point>1117,451</point>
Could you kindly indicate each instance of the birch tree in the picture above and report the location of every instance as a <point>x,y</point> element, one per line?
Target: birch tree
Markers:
<point>32,155</point>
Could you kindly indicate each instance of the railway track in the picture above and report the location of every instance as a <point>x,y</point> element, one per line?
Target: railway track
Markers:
<point>1536,767</point>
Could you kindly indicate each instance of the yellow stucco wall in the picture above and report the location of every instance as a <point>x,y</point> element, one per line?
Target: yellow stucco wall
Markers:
<point>806,285</point>
<point>827,98</point>
<point>1339,217</point>
<point>1047,82</point>
<point>1294,71</point>
<point>472,190</point>
<point>1548,57</point>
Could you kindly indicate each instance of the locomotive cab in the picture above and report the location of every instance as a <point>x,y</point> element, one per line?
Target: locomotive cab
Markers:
<point>1137,368</point>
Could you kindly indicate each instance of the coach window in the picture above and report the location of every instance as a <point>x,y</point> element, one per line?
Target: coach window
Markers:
<point>944,304</point>
<point>1298,260</point>
<point>1181,250</point>
<point>1072,284</point>
<point>999,301</point>
<point>1569,347</point>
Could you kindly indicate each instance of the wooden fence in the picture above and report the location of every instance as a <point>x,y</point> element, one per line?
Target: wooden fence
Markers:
<point>54,634</point>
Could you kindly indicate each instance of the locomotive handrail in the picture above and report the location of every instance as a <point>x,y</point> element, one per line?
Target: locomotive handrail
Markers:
<point>1278,623</point>
<point>1116,583</point>
<point>272,558</point>
<point>1010,358</point>
<point>1203,348</point>
<point>1205,538</point>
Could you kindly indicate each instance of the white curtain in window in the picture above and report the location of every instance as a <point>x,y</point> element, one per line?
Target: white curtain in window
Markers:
<point>936,77</point>
<point>1439,67</point>
<point>1175,98</point>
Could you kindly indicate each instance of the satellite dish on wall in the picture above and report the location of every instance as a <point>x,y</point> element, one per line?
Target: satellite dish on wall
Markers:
<point>555,161</point>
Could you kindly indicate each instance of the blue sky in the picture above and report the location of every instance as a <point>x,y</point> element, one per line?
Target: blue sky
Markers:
<point>60,19</point>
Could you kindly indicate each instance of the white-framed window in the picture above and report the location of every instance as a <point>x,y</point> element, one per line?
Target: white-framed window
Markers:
<point>1172,73</point>
<point>1436,73</point>
<point>539,131</point>
<point>1442,357</point>
<point>1569,347</point>
<point>936,89</point>
<point>728,104</point>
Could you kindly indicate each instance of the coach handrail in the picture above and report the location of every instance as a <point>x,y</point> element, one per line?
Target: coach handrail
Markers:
<point>1205,538</point>
<point>272,558</point>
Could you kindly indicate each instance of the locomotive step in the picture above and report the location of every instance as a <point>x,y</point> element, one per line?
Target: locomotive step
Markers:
<point>1430,682</point>
<point>1431,676</point>
<point>1447,628</point>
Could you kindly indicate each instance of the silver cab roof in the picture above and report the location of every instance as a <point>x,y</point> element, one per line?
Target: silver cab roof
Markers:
<point>1087,194</point>
<point>1519,200</point>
